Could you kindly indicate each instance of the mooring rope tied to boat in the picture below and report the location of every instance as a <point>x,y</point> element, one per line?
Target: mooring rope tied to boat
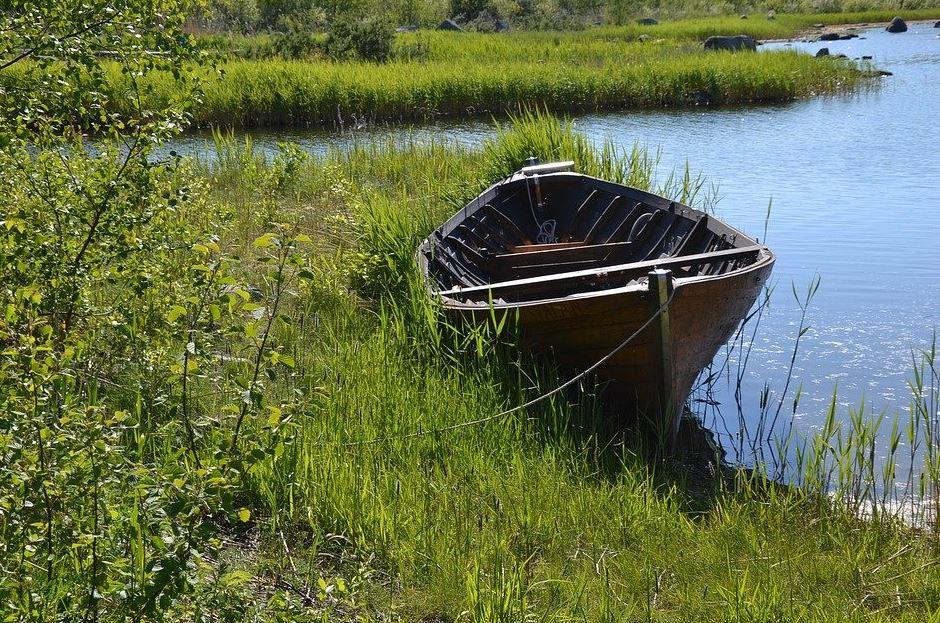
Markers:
<point>525,405</point>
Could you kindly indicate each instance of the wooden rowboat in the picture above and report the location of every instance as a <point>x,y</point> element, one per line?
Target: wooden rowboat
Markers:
<point>585,263</point>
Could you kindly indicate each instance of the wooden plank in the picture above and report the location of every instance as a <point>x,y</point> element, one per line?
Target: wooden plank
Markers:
<point>626,224</point>
<point>581,213</point>
<point>641,268</point>
<point>548,246</point>
<point>660,285</point>
<point>506,223</point>
<point>689,237</point>
<point>579,251</point>
<point>602,220</point>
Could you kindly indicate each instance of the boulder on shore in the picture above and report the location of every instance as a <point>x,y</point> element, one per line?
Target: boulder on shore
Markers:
<point>449,24</point>
<point>501,26</point>
<point>735,43</point>
<point>897,25</point>
<point>822,52</point>
<point>829,36</point>
<point>647,21</point>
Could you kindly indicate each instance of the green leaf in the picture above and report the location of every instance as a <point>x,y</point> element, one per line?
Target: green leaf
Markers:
<point>264,241</point>
<point>175,313</point>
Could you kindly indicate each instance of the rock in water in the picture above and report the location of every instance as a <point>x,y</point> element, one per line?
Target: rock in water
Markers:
<point>449,24</point>
<point>897,25</point>
<point>937,25</point>
<point>822,52</point>
<point>647,21</point>
<point>829,36</point>
<point>737,42</point>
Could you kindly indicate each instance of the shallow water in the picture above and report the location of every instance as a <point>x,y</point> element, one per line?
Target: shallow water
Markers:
<point>855,184</point>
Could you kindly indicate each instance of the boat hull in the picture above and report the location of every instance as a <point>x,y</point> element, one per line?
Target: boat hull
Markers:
<point>703,314</point>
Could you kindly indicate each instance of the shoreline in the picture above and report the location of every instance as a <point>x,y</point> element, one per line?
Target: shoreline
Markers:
<point>812,34</point>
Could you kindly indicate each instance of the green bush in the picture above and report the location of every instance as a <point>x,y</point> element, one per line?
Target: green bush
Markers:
<point>367,39</point>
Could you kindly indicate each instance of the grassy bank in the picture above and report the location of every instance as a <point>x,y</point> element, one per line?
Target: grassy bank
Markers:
<point>553,514</point>
<point>550,515</point>
<point>261,416</point>
<point>225,394</point>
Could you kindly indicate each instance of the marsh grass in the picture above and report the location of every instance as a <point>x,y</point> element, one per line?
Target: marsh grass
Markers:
<point>436,74</point>
<point>558,512</point>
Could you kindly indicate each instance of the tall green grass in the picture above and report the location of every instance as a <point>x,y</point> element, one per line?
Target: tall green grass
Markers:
<point>555,513</point>
<point>294,93</point>
<point>473,74</point>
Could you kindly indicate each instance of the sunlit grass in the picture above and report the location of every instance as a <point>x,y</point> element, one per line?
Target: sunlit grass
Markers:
<point>557,513</point>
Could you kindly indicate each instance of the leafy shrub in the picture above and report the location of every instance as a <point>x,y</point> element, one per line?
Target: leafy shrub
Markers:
<point>295,45</point>
<point>368,39</point>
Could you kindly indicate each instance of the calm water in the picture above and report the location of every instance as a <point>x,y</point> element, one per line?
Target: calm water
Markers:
<point>855,184</point>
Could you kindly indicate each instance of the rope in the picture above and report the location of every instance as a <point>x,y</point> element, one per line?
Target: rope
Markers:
<point>489,418</point>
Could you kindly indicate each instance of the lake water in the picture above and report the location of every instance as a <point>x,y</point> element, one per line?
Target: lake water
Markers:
<point>855,184</point>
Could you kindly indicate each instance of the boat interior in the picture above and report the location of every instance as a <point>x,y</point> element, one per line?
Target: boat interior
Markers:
<point>549,235</point>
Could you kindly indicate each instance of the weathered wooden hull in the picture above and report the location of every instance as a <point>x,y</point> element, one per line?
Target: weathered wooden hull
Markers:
<point>616,257</point>
<point>578,331</point>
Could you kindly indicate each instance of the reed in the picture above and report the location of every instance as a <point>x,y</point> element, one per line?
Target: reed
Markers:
<point>293,93</point>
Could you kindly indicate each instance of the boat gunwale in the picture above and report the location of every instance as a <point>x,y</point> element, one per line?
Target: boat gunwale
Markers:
<point>766,257</point>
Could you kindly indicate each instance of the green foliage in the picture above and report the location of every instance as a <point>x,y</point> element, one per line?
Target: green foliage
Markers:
<point>366,39</point>
<point>132,357</point>
<point>260,15</point>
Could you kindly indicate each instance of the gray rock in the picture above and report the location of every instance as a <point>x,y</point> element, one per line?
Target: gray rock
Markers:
<point>408,28</point>
<point>819,25</point>
<point>829,36</point>
<point>449,24</point>
<point>501,26</point>
<point>647,21</point>
<point>867,58</point>
<point>737,42</point>
<point>643,38</point>
<point>937,25</point>
<point>771,14</point>
<point>822,52</point>
<point>839,56</point>
<point>743,16</point>
<point>897,25</point>
<point>848,36</point>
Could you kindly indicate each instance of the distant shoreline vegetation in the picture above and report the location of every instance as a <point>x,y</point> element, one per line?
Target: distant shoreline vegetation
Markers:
<point>432,74</point>
<point>260,16</point>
